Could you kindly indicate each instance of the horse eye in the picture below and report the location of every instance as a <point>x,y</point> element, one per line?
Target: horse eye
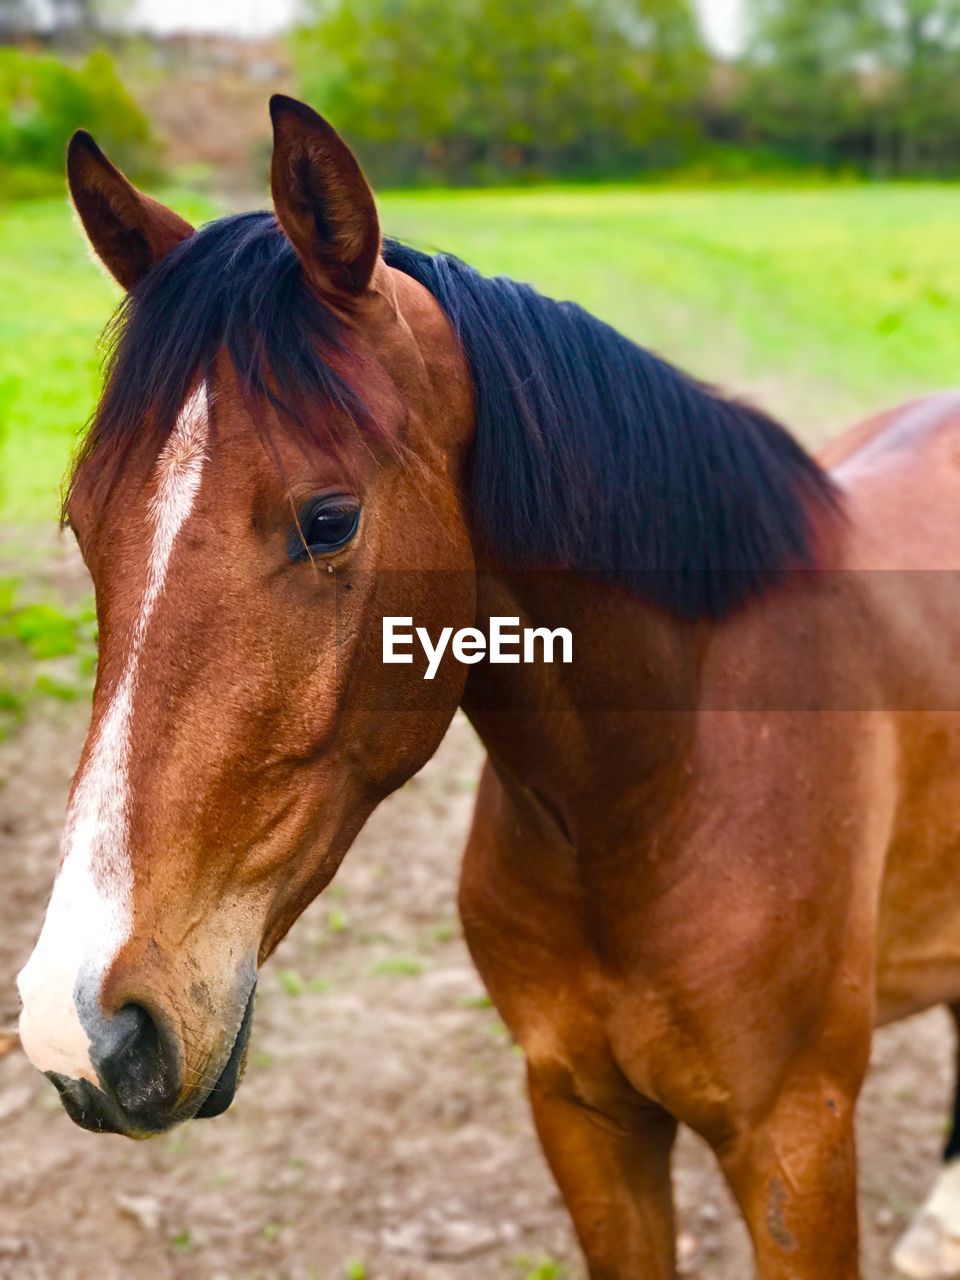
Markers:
<point>326,525</point>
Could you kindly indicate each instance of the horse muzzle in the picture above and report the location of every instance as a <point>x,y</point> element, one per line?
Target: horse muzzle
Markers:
<point>139,1091</point>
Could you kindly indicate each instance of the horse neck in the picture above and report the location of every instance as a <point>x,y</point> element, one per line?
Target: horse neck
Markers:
<point>606,736</point>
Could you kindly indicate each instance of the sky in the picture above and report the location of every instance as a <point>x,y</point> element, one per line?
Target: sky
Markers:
<point>721,18</point>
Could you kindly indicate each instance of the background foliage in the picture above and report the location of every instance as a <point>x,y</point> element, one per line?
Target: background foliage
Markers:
<point>484,89</point>
<point>873,82</point>
<point>44,98</point>
<point>481,89</point>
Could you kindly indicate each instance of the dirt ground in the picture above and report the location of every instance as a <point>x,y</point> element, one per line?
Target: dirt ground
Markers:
<point>381,1132</point>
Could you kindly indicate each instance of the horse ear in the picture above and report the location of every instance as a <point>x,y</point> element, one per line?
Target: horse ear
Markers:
<point>322,199</point>
<point>128,231</point>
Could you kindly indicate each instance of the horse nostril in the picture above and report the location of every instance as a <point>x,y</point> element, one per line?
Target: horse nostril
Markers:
<point>133,1060</point>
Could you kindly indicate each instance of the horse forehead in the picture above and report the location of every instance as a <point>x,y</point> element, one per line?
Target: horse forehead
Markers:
<point>177,474</point>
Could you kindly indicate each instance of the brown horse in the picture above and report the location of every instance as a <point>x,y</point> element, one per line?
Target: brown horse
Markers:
<point>709,854</point>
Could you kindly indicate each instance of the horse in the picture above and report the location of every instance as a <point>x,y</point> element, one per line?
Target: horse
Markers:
<point>708,855</point>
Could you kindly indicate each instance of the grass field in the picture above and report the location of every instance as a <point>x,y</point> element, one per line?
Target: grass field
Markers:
<point>821,303</point>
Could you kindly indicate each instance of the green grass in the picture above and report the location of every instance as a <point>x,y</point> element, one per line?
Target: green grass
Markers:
<point>55,303</point>
<point>824,303</point>
<point>46,651</point>
<point>540,1268</point>
<point>396,967</point>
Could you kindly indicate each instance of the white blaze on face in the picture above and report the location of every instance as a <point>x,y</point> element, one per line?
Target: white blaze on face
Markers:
<point>89,915</point>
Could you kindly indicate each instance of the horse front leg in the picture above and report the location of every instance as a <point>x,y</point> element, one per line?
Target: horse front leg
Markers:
<point>794,1175</point>
<point>614,1175</point>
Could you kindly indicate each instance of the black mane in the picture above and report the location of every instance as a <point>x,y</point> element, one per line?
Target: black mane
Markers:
<point>594,454</point>
<point>590,452</point>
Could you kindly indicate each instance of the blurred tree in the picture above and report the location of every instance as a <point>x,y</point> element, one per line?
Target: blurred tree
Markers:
<point>484,88</point>
<point>873,81</point>
<point>42,101</point>
<point>918,119</point>
<point>802,89</point>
